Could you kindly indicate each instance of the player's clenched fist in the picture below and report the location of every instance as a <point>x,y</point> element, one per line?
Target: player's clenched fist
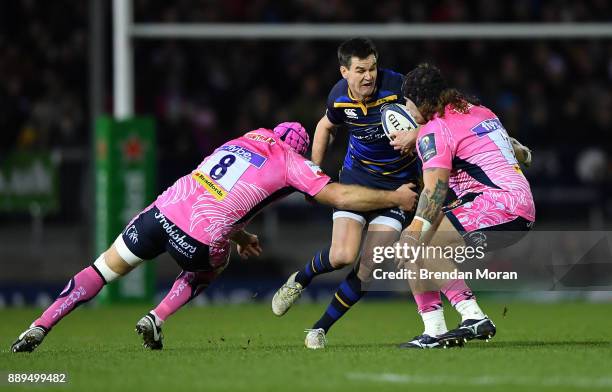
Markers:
<point>248,245</point>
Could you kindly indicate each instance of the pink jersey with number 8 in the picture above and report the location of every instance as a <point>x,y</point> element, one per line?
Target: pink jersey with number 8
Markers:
<point>234,183</point>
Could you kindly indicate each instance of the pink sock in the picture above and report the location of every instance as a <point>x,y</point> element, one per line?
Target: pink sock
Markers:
<point>186,287</point>
<point>81,288</point>
<point>428,301</point>
<point>457,291</point>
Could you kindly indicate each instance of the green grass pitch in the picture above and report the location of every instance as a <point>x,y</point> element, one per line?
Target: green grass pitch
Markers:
<point>539,347</point>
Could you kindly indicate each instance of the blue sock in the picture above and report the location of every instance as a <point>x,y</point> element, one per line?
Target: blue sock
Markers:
<point>318,265</point>
<point>348,294</point>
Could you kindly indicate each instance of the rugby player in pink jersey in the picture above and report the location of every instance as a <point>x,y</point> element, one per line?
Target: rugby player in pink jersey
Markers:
<point>195,219</point>
<point>463,147</point>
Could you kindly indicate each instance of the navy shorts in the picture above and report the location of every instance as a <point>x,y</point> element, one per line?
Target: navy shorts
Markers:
<point>394,217</point>
<point>151,234</point>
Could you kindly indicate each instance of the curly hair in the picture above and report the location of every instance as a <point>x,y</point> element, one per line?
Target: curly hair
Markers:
<point>430,92</point>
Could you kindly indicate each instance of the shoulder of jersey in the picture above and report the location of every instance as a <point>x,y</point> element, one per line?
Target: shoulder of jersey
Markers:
<point>339,89</point>
<point>391,73</point>
<point>392,81</point>
<point>262,135</point>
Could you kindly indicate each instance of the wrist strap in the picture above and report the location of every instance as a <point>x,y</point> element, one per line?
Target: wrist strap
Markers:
<point>426,224</point>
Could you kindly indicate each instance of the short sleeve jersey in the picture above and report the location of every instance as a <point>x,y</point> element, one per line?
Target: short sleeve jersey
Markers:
<point>234,183</point>
<point>476,148</point>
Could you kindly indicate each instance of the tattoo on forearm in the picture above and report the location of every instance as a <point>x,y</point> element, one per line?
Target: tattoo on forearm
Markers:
<point>430,202</point>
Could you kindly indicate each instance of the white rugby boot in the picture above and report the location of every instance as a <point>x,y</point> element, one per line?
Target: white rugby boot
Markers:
<point>315,339</point>
<point>286,296</point>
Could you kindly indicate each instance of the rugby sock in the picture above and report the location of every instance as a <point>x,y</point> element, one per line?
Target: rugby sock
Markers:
<point>428,301</point>
<point>434,322</point>
<point>462,298</point>
<point>80,289</point>
<point>429,305</point>
<point>347,295</point>
<point>186,287</point>
<point>319,264</point>
<point>469,309</point>
<point>456,291</point>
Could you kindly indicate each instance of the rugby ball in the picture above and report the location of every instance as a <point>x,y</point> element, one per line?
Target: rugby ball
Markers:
<point>395,117</point>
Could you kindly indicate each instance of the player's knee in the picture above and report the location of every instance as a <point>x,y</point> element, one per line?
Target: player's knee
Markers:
<point>339,257</point>
<point>108,273</point>
<point>121,257</point>
<point>117,261</point>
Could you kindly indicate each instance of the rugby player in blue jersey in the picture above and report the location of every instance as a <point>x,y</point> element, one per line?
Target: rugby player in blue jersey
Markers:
<point>354,104</point>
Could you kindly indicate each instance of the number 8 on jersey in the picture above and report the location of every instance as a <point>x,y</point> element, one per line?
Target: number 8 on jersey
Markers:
<point>222,170</point>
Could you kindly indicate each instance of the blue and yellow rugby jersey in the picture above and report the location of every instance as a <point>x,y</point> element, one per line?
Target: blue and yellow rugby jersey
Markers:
<point>369,148</point>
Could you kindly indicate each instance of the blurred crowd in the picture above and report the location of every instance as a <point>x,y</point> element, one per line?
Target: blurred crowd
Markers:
<point>356,11</point>
<point>44,68</point>
<point>554,95</point>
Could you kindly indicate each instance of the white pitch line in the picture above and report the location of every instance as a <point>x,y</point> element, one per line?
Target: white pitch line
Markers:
<point>576,382</point>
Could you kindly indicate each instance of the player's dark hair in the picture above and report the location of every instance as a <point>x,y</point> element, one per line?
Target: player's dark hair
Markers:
<point>357,47</point>
<point>430,92</point>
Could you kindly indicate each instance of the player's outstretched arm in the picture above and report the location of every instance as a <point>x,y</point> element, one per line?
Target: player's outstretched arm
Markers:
<point>359,198</point>
<point>323,137</point>
<point>522,153</point>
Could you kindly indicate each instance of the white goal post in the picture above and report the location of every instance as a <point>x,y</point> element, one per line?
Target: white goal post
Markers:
<point>125,30</point>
